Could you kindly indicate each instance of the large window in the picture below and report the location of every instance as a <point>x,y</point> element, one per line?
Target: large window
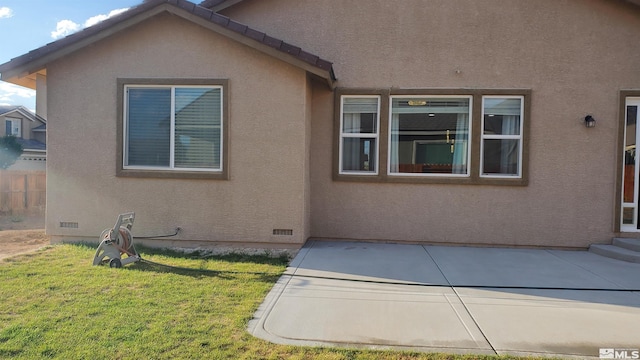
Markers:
<point>429,135</point>
<point>432,136</point>
<point>173,129</point>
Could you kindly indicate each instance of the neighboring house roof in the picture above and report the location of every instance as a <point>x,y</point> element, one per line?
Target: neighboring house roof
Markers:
<point>7,110</point>
<point>37,59</point>
<point>42,127</point>
<point>30,144</point>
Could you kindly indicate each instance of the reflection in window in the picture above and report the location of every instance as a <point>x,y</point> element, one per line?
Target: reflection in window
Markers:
<point>359,134</point>
<point>629,171</point>
<point>173,128</point>
<point>430,135</point>
<point>502,136</point>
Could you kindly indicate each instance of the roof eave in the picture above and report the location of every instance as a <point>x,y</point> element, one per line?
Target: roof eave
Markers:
<point>32,62</point>
<point>21,67</point>
<point>219,5</point>
<point>323,70</point>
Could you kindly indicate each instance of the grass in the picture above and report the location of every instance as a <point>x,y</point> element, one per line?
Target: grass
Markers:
<point>54,304</point>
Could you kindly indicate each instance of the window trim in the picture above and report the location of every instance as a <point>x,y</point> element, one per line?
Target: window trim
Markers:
<point>123,170</point>
<point>518,137</point>
<point>473,177</point>
<point>623,95</point>
<point>431,175</point>
<point>13,121</point>
<point>375,135</point>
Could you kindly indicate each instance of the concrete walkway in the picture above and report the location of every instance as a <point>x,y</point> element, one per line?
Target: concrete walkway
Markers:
<point>454,300</point>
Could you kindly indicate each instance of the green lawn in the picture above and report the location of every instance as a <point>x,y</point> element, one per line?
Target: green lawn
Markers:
<point>54,304</point>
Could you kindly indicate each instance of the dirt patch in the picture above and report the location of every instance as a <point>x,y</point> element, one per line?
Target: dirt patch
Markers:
<point>21,222</point>
<point>21,234</point>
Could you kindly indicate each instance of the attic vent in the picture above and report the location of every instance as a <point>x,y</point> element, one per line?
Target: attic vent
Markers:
<point>69,224</point>
<point>282,232</point>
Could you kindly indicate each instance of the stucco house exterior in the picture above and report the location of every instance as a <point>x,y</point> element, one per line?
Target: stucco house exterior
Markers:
<point>31,132</point>
<point>264,123</point>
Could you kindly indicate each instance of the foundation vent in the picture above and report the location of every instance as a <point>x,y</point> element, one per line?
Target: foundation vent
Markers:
<point>69,224</point>
<point>283,232</point>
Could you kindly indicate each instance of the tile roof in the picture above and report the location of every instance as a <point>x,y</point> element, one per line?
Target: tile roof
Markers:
<point>211,3</point>
<point>36,59</point>
<point>7,108</point>
<point>218,5</point>
<point>30,144</point>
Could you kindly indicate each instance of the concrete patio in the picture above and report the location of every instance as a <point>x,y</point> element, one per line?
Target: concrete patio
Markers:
<point>454,300</point>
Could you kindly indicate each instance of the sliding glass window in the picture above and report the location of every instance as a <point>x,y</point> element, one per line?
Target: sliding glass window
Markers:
<point>173,128</point>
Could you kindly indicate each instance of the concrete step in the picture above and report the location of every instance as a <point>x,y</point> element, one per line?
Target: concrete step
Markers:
<point>631,244</point>
<point>616,252</point>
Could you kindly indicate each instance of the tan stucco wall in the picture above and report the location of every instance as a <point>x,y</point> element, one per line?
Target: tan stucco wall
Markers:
<point>574,55</point>
<point>41,95</point>
<point>268,138</point>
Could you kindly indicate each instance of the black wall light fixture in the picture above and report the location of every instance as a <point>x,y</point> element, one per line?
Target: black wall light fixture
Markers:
<point>589,121</point>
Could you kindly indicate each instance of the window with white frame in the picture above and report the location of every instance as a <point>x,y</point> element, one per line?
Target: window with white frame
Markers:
<point>173,127</point>
<point>501,145</point>
<point>13,127</point>
<point>359,129</point>
<point>453,136</point>
<point>429,135</point>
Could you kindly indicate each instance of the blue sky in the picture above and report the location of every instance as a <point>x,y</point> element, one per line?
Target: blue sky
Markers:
<point>26,25</point>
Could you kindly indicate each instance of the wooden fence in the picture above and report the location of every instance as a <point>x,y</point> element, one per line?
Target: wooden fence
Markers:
<point>22,191</point>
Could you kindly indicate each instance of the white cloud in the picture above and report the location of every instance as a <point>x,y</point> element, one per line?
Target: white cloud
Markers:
<point>11,94</point>
<point>66,27</point>
<point>98,18</point>
<point>5,12</point>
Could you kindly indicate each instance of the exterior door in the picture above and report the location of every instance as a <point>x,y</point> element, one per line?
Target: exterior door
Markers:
<point>630,177</point>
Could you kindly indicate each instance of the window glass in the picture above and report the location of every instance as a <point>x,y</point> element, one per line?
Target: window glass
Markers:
<point>197,128</point>
<point>13,127</point>
<point>359,154</point>
<point>360,115</point>
<point>174,128</point>
<point>430,135</point>
<point>501,156</point>
<point>629,170</point>
<point>502,116</point>
<point>502,136</point>
<point>359,134</point>
<point>149,127</point>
